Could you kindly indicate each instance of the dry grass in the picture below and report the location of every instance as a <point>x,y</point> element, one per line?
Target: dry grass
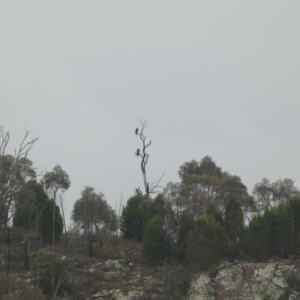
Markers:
<point>19,289</point>
<point>133,275</point>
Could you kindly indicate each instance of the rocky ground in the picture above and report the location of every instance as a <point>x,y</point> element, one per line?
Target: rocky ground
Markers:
<point>120,272</point>
<point>248,281</point>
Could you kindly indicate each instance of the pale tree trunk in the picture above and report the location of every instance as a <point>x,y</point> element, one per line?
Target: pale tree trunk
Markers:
<point>64,220</point>
<point>53,221</point>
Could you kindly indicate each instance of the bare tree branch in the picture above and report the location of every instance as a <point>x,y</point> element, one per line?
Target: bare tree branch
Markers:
<point>14,172</point>
<point>144,160</point>
<point>155,185</point>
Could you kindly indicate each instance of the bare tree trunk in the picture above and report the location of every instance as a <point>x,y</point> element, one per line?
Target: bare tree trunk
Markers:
<point>64,220</point>
<point>145,156</point>
<point>53,221</point>
<point>73,261</point>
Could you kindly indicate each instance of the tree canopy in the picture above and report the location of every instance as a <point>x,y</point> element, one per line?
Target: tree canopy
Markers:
<point>92,207</point>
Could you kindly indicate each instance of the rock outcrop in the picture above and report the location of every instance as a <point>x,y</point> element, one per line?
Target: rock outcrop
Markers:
<point>124,280</point>
<point>248,281</point>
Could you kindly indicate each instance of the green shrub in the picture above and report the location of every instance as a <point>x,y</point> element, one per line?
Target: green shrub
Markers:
<point>53,277</point>
<point>234,223</point>
<point>294,281</point>
<point>155,241</point>
<point>271,233</point>
<point>132,219</point>
<point>80,296</point>
<point>46,221</point>
<point>207,243</point>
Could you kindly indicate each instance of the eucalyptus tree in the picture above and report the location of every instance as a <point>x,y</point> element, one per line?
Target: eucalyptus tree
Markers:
<point>208,184</point>
<point>92,213</point>
<point>53,181</point>
<point>268,194</point>
<point>203,179</point>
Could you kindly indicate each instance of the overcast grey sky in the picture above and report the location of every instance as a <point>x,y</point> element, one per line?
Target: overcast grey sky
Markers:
<point>217,78</point>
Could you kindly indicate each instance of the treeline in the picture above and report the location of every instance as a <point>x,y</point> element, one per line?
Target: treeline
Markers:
<point>32,223</point>
<point>34,211</point>
<point>209,215</point>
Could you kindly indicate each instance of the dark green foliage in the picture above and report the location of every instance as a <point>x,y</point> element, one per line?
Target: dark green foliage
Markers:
<point>45,222</point>
<point>155,241</point>
<point>54,276</point>
<point>280,231</point>
<point>207,243</point>
<point>234,223</point>
<point>294,216</point>
<point>133,217</point>
<point>14,170</point>
<point>25,212</point>
<point>214,212</point>
<point>29,204</point>
<point>81,296</point>
<point>255,240</point>
<point>276,232</point>
<point>158,206</point>
<point>185,225</point>
<point>261,237</point>
<point>40,195</point>
<point>294,281</point>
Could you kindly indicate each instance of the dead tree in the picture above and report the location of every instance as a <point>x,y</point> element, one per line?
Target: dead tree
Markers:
<point>14,170</point>
<point>144,160</point>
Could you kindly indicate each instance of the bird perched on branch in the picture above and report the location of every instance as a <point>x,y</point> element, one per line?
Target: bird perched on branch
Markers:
<point>137,152</point>
<point>136,131</point>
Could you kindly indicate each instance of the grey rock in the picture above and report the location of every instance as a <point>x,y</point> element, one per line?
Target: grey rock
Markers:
<point>107,266</point>
<point>135,295</point>
<point>248,282</point>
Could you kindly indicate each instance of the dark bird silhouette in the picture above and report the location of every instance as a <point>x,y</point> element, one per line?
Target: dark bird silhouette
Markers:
<point>147,189</point>
<point>137,152</point>
<point>136,131</point>
<point>138,192</point>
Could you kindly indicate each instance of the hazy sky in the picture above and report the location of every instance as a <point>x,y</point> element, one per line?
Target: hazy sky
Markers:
<point>217,78</point>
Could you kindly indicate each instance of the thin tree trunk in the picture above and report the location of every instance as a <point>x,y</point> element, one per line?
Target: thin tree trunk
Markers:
<point>53,221</point>
<point>26,266</point>
<point>73,261</point>
<point>8,260</point>
<point>63,214</point>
